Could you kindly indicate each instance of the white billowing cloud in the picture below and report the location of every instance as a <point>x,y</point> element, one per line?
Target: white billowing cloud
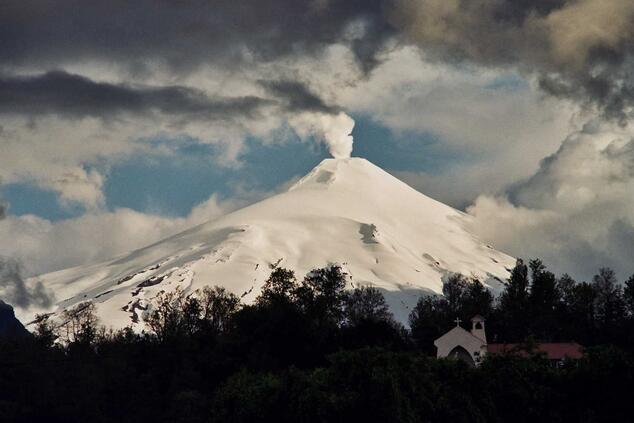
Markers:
<point>51,153</point>
<point>478,110</point>
<point>333,130</point>
<point>42,246</point>
<point>576,212</point>
<point>76,185</point>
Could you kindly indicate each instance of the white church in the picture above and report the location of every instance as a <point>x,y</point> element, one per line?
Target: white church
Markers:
<point>471,346</point>
<point>468,346</point>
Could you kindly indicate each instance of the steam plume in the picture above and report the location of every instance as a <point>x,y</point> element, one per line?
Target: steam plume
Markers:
<point>332,129</point>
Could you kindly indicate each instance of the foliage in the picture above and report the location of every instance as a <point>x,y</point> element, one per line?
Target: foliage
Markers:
<point>312,351</point>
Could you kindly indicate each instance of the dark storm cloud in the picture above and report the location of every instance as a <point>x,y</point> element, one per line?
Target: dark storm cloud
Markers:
<point>579,49</point>
<point>297,96</point>
<point>75,96</point>
<point>516,11</point>
<point>14,289</point>
<point>71,95</point>
<point>610,87</point>
<point>184,34</point>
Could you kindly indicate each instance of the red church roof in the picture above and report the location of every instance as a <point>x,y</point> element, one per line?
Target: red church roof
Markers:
<point>554,351</point>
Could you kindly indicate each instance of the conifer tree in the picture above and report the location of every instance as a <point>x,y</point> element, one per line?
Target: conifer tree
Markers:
<point>513,311</point>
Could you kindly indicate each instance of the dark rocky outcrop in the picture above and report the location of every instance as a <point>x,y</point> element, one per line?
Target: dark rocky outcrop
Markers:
<point>10,326</point>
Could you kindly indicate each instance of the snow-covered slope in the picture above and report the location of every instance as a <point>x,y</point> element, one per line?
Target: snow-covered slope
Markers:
<point>348,211</point>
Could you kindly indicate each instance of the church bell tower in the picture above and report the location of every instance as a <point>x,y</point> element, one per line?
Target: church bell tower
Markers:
<point>477,328</point>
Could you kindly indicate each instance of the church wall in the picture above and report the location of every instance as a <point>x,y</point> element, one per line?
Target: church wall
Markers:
<point>460,337</point>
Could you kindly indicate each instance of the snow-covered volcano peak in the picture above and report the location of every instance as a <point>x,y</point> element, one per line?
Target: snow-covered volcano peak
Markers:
<point>355,171</point>
<point>347,211</point>
<point>329,170</point>
<point>354,184</point>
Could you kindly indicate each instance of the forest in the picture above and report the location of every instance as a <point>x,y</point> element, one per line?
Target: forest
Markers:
<point>310,350</point>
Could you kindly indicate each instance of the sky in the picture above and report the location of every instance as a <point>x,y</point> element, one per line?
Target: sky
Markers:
<point>122,123</point>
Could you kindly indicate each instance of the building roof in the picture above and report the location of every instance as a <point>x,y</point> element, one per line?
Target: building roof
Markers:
<point>459,330</point>
<point>553,351</point>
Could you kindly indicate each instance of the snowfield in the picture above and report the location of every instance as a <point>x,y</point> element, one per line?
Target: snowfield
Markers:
<point>346,211</point>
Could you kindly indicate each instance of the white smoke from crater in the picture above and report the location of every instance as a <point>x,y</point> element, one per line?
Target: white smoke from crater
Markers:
<point>334,130</point>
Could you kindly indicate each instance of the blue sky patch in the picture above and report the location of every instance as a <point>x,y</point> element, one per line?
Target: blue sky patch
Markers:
<point>26,198</point>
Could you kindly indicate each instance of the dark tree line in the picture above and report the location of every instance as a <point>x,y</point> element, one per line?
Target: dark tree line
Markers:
<point>534,304</point>
<point>309,350</point>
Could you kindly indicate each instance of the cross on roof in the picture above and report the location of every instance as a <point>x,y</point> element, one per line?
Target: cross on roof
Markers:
<point>457,321</point>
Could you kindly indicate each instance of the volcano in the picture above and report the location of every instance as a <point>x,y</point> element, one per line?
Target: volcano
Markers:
<point>348,211</point>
